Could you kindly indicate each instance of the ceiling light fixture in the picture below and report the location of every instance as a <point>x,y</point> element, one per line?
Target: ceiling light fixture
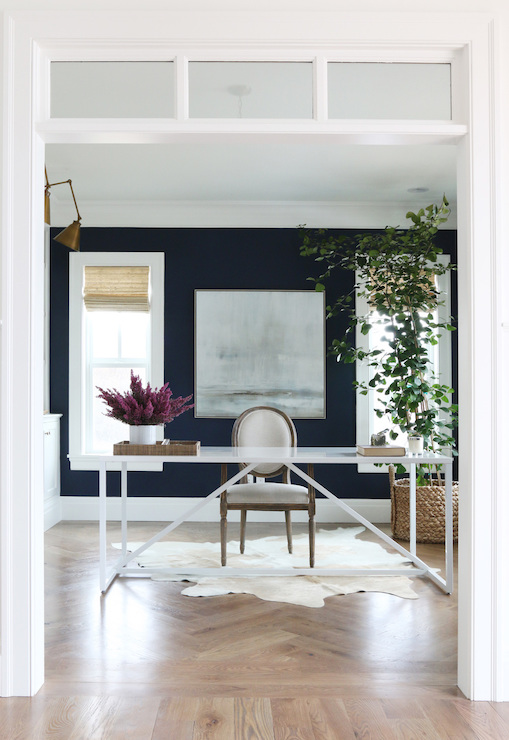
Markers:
<point>69,237</point>
<point>239,91</point>
<point>417,190</point>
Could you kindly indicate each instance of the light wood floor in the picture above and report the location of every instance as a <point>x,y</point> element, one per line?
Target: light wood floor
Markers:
<point>145,663</point>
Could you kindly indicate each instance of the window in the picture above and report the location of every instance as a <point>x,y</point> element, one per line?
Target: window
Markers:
<point>116,306</point>
<point>113,89</point>
<point>368,422</point>
<point>250,90</point>
<point>377,90</point>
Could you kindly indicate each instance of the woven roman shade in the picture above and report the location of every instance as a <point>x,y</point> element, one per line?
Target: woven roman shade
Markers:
<point>124,288</point>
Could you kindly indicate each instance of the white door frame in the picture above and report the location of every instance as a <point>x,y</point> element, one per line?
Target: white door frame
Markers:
<point>483,670</point>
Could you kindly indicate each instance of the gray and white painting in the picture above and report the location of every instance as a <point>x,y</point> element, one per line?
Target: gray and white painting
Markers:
<point>259,347</point>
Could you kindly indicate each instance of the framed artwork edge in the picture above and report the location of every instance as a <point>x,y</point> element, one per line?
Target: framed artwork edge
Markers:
<point>255,347</point>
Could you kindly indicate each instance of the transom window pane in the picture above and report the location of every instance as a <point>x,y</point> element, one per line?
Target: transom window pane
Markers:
<point>389,91</point>
<point>250,90</point>
<point>112,90</point>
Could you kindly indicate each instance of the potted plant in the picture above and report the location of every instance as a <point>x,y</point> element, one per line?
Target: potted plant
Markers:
<point>395,272</point>
<point>143,409</point>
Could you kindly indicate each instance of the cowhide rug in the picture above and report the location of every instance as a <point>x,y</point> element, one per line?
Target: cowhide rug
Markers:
<point>339,548</point>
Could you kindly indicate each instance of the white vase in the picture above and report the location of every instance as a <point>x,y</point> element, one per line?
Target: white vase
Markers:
<point>144,434</point>
<point>415,444</point>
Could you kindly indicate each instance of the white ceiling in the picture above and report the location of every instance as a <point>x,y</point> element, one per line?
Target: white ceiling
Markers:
<point>256,170</point>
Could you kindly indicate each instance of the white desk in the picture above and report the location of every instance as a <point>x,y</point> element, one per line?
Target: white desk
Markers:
<point>253,456</point>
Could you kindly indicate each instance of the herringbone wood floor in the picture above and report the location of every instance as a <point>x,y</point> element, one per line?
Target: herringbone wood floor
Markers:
<point>145,663</point>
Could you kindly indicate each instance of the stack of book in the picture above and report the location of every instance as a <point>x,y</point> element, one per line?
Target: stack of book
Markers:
<point>381,450</point>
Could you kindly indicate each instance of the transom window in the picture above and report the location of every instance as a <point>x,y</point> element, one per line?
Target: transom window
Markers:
<point>271,89</point>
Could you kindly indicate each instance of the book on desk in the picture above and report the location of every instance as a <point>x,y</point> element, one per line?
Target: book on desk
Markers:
<point>381,450</point>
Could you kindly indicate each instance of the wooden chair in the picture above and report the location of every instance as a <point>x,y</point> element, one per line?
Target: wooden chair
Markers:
<point>264,426</point>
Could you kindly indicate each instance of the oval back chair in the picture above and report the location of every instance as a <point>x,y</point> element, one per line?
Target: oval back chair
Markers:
<point>265,426</point>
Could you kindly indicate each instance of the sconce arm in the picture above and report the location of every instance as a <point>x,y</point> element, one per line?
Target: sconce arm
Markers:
<point>64,182</point>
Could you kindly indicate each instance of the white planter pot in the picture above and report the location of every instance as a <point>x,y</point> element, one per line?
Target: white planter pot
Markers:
<point>145,434</point>
<point>415,444</point>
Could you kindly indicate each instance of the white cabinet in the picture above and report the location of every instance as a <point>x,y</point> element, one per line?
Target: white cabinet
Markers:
<point>51,429</point>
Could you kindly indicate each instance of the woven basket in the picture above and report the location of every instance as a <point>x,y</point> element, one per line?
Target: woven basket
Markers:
<point>430,510</point>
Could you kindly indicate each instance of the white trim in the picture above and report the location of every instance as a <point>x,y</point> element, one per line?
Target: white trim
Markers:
<point>251,48</point>
<point>239,214</point>
<point>141,509</point>
<point>52,512</point>
<point>47,272</point>
<point>483,639</point>
<point>21,383</point>
<point>478,545</point>
<point>51,426</point>
<point>500,275</point>
<point>77,261</point>
<point>164,130</point>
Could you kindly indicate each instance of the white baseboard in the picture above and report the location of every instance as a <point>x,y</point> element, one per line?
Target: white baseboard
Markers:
<point>52,511</point>
<point>83,508</point>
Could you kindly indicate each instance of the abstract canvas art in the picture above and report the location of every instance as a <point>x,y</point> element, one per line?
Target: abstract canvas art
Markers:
<point>259,347</point>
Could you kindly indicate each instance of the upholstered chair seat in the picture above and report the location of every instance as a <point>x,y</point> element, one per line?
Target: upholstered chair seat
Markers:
<point>267,493</point>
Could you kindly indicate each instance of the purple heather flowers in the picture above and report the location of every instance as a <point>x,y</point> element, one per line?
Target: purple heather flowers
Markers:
<point>144,405</point>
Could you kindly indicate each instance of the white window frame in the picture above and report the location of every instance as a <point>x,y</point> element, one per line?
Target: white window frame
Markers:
<point>79,460</point>
<point>365,412</point>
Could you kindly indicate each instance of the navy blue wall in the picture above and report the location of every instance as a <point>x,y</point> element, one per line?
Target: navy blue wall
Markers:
<point>212,258</point>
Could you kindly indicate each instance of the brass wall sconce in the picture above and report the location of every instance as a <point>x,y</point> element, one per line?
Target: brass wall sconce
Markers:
<point>69,237</point>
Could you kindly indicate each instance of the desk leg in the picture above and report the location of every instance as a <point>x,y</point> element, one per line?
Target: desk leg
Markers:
<point>123,505</point>
<point>105,578</point>
<point>102,525</point>
<point>448,530</point>
<point>423,569</point>
<point>122,562</point>
<point>413,534</point>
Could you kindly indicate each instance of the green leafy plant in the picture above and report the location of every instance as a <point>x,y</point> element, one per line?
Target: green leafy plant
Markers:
<point>396,272</point>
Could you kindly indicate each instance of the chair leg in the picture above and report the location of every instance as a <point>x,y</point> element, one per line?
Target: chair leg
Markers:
<point>243,515</point>
<point>311,541</point>
<point>288,519</point>
<point>223,539</point>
